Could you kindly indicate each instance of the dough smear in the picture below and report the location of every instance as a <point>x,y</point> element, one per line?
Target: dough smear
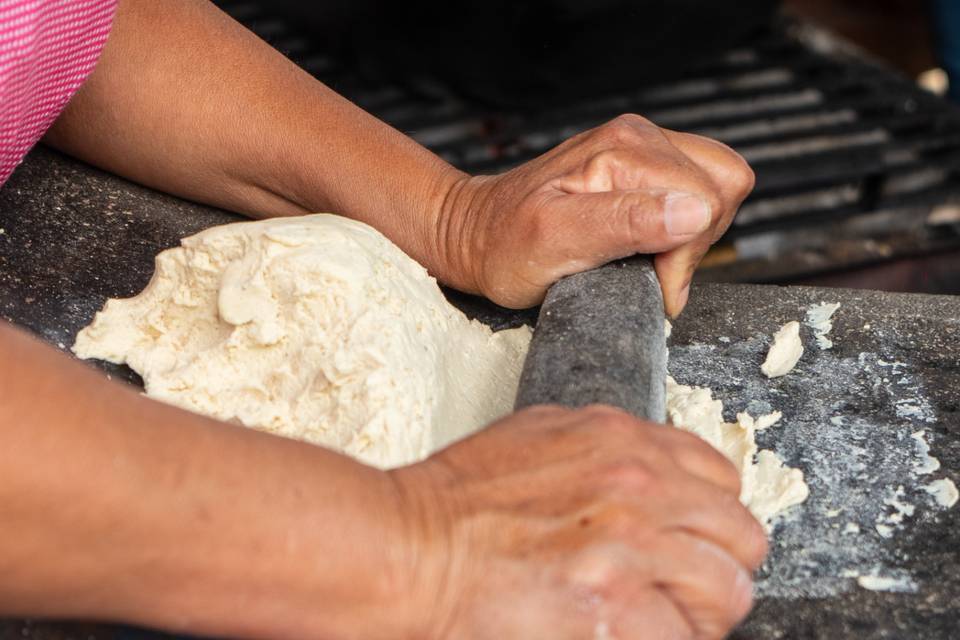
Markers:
<point>785,351</point>
<point>819,318</point>
<point>320,329</point>
<point>767,485</point>
<point>316,328</point>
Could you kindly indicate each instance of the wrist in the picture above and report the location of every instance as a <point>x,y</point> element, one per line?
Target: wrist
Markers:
<point>437,567</point>
<point>459,237</point>
<point>310,545</point>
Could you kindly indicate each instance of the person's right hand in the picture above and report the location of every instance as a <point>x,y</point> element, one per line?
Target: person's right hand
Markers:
<point>585,524</point>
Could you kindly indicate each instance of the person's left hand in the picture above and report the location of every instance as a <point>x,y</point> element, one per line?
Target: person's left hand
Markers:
<point>623,188</point>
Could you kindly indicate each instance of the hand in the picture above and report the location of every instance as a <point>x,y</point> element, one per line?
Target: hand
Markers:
<point>626,187</point>
<point>582,524</point>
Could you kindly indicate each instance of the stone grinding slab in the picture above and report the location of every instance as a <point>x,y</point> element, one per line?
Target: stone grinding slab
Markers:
<point>73,236</point>
<point>848,415</point>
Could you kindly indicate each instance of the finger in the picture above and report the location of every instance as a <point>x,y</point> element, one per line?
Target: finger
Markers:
<point>698,458</point>
<point>712,590</point>
<point>718,516</point>
<point>734,180</point>
<point>689,452</point>
<point>658,619</point>
<point>727,168</point>
<point>642,441</point>
<point>684,503</point>
<point>675,269</point>
<point>618,597</point>
<point>645,164</point>
<point>634,495</point>
<point>590,229</point>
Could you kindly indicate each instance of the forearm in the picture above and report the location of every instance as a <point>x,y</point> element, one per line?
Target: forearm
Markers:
<point>186,100</point>
<point>115,507</point>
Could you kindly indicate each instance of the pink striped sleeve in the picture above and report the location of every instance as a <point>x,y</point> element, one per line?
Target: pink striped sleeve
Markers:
<point>47,49</point>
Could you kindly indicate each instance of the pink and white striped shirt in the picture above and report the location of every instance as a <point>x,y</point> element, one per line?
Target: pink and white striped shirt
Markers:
<point>47,49</point>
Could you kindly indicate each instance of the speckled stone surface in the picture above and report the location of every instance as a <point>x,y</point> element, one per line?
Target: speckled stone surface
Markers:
<point>73,236</point>
<point>575,360</point>
<point>848,415</point>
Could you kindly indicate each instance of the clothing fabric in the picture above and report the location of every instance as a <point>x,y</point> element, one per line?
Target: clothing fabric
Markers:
<point>47,50</point>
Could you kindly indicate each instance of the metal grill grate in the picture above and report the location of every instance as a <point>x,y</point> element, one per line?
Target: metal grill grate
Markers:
<point>866,164</point>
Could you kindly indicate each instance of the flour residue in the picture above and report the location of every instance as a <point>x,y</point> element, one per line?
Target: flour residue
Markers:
<point>866,463</point>
<point>819,318</point>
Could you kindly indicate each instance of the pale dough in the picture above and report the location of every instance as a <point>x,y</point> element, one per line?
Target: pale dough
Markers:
<point>944,491</point>
<point>886,583</point>
<point>819,318</point>
<point>320,329</point>
<point>317,328</point>
<point>767,485</point>
<point>785,351</point>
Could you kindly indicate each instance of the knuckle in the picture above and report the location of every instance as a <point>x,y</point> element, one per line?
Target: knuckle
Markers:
<point>730,505</point>
<point>596,568</point>
<point>614,424</point>
<point>641,214</point>
<point>631,476</point>
<point>718,209</point>
<point>702,455</point>
<point>542,411</point>
<point>693,444</point>
<point>632,120</point>
<point>604,414</point>
<point>625,129</point>
<point>742,177</point>
<point>609,160</point>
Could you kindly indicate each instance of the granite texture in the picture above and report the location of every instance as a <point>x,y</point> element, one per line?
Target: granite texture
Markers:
<point>73,236</point>
<point>600,340</point>
<point>849,412</point>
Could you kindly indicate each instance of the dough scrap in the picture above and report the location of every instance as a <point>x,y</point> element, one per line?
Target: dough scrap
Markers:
<point>886,583</point>
<point>944,491</point>
<point>767,485</point>
<point>819,319</point>
<point>927,463</point>
<point>316,328</point>
<point>785,351</point>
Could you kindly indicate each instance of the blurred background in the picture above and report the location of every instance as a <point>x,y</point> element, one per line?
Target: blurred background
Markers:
<point>841,106</point>
<point>919,38</point>
<point>836,104</point>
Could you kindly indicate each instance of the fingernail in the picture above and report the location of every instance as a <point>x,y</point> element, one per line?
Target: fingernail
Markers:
<point>685,214</point>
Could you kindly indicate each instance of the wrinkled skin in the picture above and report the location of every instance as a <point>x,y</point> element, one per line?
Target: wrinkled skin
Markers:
<point>565,524</point>
<point>599,196</point>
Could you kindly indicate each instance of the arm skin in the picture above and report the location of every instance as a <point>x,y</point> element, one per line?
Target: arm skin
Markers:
<point>119,508</point>
<point>116,507</point>
<point>187,101</point>
<point>548,524</point>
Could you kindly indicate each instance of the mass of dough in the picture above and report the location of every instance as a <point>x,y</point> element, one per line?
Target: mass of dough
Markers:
<point>320,329</point>
<point>767,485</point>
<point>317,328</point>
<point>785,351</point>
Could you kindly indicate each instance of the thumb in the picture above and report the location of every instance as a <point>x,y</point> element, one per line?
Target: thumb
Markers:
<point>612,224</point>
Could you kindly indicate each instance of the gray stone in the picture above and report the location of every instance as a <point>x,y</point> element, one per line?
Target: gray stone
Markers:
<point>600,340</point>
<point>73,236</point>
